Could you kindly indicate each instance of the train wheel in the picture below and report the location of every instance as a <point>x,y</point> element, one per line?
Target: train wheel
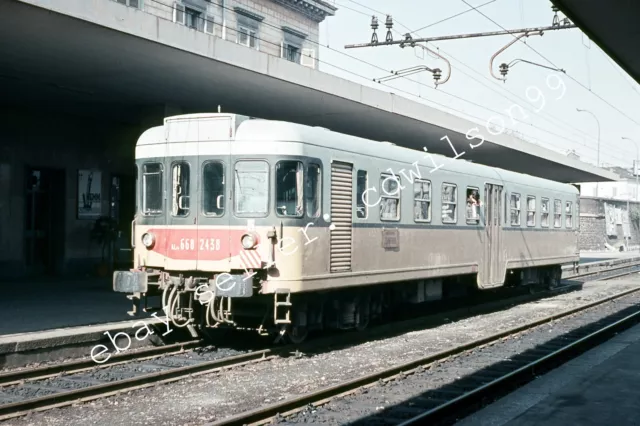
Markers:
<point>363,313</point>
<point>297,335</point>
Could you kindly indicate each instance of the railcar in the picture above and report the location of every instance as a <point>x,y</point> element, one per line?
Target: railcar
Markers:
<point>286,228</point>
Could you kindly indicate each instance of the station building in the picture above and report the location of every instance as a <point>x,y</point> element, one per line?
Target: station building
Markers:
<point>66,147</point>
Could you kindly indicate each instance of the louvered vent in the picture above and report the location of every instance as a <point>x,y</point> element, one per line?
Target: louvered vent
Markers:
<point>341,216</point>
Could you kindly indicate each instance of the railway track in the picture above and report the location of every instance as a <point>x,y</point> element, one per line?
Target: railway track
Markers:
<point>446,407</point>
<point>60,385</point>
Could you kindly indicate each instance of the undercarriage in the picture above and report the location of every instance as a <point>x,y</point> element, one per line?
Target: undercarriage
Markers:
<point>236,301</point>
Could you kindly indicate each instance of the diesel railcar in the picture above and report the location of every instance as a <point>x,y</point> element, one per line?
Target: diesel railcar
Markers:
<point>286,228</point>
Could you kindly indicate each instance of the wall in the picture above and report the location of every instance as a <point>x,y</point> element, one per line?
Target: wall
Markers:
<point>593,234</point>
<point>67,143</point>
<point>270,33</point>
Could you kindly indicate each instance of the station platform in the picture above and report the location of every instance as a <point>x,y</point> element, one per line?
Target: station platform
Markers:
<point>598,388</point>
<point>599,256</point>
<point>50,304</point>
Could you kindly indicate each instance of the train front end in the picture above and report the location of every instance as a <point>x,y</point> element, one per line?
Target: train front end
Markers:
<point>202,264</point>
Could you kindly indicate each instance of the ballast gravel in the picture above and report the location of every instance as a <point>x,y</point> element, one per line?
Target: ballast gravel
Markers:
<point>211,397</point>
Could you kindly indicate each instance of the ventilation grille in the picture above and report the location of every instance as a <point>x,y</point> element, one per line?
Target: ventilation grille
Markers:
<point>341,216</point>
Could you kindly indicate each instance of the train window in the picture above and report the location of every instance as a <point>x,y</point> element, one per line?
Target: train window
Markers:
<point>361,195</point>
<point>289,176</point>
<point>531,211</point>
<point>251,188</point>
<point>422,200</point>
<point>568,215</point>
<point>544,216</point>
<point>473,205</point>
<point>389,197</point>
<point>152,189</point>
<point>137,190</point>
<point>515,209</point>
<point>313,190</point>
<point>449,203</point>
<point>213,189</point>
<point>557,213</point>
<point>181,189</point>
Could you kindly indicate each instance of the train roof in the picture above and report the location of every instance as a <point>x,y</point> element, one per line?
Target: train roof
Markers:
<point>261,130</point>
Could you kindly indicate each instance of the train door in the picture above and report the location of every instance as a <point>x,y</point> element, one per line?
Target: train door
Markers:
<point>491,271</point>
<point>341,216</point>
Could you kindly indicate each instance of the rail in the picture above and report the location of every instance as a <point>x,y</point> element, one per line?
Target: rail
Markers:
<point>292,406</point>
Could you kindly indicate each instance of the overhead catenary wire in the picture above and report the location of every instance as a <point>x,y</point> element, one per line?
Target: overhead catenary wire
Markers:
<point>555,66</point>
<point>527,105</point>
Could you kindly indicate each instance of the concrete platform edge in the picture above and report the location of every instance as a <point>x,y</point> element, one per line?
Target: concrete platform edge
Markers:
<point>14,343</point>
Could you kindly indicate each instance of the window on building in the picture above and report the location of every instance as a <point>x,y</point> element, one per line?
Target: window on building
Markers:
<point>515,209</point>
<point>213,181</point>
<point>422,200</point>
<point>389,197</point>
<point>449,203</point>
<point>193,18</point>
<point>209,24</point>
<point>361,195</point>
<point>568,216</point>
<point>130,3</point>
<point>531,211</point>
<point>289,175</point>
<point>152,194</point>
<point>313,190</point>
<point>544,215</point>
<point>292,44</point>
<point>292,53</point>
<point>248,29</point>
<point>557,213</point>
<point>247,37</point>
<point>251,188</point>
<point>473,205</point>
<point>180,178</point>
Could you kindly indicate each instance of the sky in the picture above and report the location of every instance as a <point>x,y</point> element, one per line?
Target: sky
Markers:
<point>549,98</point>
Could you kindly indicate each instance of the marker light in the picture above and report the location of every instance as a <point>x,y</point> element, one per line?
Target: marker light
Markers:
<point>148,240</point>
<point>249,241</point>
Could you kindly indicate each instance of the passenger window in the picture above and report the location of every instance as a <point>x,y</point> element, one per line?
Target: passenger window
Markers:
<point>152,189</point>
<point>180,193</point>
<point>361,187</point>
<point>544,217</point>
<point>137,187</point>
<point>557,213</point>
<point>313,190</point>
<point>515,210</point>
<point>531,211</point>
<point>213,189</point>
<point>422,200</point>
<point>289,176</point>
<point>568,216</point>
<point>389,197</point>
<point>449,203</point>
<point>251,188</point>
<point>473,205</point>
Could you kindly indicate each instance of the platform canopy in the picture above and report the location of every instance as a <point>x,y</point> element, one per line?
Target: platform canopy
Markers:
<point>612,25</point>
<point>102,58</point>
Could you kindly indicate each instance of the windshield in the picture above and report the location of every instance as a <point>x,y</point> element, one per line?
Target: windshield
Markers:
<point>251,192</point>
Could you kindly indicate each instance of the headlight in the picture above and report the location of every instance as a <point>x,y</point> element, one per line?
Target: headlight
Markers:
<point>148,240</point>
<point>249,241</point>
